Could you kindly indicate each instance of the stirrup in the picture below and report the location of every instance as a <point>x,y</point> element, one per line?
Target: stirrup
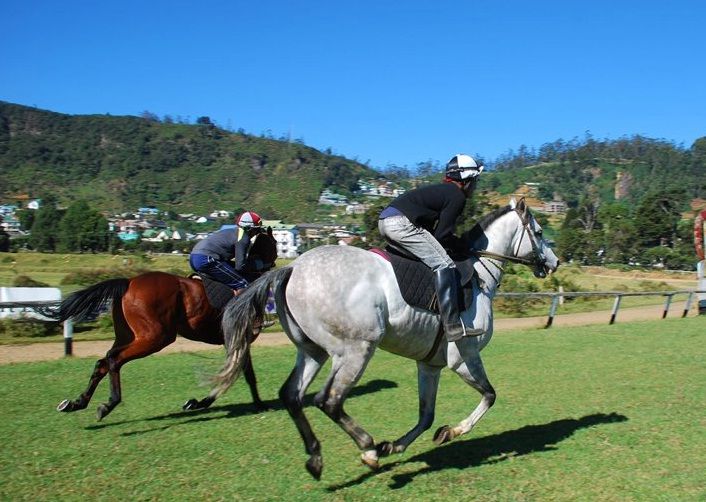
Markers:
<point>464,331</point>
<point>471,331</point>
<point>260,325</point>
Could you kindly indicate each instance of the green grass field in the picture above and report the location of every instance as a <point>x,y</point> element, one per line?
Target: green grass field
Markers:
<point>592,413</point>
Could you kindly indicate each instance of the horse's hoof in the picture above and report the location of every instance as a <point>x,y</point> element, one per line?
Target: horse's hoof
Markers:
<point>443,435</point>
<point>64,406</point>
<point>385,448</point>
<point>315,465</point>
<point>370,458</point>
<point>102,412</point>
<point>191,404</point>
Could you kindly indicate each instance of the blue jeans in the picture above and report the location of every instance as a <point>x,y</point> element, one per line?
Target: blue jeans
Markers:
<point>401,232</point>
<point>221,271</point>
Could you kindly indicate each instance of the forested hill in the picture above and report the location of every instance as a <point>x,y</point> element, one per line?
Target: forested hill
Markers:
<point>603,170</point>
<point>121,163</point>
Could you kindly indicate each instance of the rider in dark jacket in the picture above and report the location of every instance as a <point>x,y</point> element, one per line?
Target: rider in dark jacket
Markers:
<point>422,222</point>
<point>215,254</point>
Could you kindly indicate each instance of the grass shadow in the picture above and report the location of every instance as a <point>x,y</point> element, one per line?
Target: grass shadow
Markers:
<point>234,410</point>
<point>491,449</point>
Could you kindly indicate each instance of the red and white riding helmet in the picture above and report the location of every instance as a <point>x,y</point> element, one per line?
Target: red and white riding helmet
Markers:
<point>249,219</point>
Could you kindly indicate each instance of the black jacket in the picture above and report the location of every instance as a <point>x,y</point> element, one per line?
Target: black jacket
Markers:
<point>434,208</point>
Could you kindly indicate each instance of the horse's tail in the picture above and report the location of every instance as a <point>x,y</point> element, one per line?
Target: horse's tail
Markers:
<point>238,317</point>
<point>88,301</point>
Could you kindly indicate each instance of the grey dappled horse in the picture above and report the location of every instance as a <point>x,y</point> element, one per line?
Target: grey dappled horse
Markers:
<point>344,302</point>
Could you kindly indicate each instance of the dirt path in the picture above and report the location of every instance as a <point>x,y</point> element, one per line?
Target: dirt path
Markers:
<point>49,351</point>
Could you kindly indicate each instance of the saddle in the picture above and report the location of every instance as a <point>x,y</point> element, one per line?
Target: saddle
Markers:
<point>416,280</point>
<point>217,293</point>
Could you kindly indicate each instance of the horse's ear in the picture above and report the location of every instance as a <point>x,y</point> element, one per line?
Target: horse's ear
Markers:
<point>269,231</point>
<point>521,205</point>
<point>513,203</point>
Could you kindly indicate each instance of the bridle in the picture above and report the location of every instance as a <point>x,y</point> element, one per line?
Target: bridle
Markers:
<point>535,258</point>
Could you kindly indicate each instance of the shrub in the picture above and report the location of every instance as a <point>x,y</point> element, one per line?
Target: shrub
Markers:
<point>89,277</point>
<point>105,322</point>
<point>28,328</point>
<point>24,281</point>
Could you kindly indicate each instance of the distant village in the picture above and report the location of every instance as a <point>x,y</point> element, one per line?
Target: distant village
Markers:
<point>146,223</point>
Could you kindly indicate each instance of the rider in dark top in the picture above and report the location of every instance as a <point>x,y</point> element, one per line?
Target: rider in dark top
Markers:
<point>422,222</point>
<point>214,255</point>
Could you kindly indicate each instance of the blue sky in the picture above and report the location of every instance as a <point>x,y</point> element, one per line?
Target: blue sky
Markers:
<point>384,82</point>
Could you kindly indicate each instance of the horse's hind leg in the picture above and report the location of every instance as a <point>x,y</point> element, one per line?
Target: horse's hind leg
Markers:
<point>123,336</point>
<point>292,395</point>
<point>346,370</point>
<point>99,371</point>
<point>118,356</point>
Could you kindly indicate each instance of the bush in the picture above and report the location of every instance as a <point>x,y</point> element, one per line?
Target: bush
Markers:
<point>24,281</point>
<point>105,322</point>
<point>28,328</point>
<point>89,277</point>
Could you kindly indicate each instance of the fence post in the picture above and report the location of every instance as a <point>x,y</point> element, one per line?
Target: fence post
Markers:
<point>616,306</point>
<point>667,303</point>
<point>68,337</point>
<point>687,306</point>
<point>552,310</point>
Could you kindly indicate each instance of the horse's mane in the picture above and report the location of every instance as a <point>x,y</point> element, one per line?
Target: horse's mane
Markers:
<point>485,221</point>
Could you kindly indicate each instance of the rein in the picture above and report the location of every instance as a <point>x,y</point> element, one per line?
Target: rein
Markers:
<point>532,261</point>
<point>513,259</point>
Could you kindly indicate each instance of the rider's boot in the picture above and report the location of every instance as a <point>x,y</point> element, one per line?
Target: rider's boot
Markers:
<point>447,290</point>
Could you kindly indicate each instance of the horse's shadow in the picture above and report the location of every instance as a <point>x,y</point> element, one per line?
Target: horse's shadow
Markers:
<point>491,449</point>
<point>235,409</point>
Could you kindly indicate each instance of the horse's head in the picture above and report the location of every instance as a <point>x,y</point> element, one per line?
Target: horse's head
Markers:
<point>264,248</point>
<point>511,233</point>
<point>529,245</point>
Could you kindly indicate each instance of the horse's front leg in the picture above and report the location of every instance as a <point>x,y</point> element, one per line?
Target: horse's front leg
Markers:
<point>249,372</point>
<point>472,372</point>
<point>428,385</point>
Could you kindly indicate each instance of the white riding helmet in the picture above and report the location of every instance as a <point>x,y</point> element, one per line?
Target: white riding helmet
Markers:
<point>463,168</point>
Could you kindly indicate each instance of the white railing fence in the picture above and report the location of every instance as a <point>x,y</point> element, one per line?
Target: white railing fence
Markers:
<point>556,298</point>
<point>32,307</point>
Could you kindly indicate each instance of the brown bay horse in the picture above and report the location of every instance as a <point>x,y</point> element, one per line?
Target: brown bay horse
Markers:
<point>149,311</point>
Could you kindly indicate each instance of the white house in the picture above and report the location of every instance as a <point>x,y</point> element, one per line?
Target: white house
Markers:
<point>327,197</point>
<point>287,237</point>
<point>357,208</point>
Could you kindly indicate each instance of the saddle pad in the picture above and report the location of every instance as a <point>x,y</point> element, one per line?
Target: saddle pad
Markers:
<point>416,280</point>
<point>218,294</point>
